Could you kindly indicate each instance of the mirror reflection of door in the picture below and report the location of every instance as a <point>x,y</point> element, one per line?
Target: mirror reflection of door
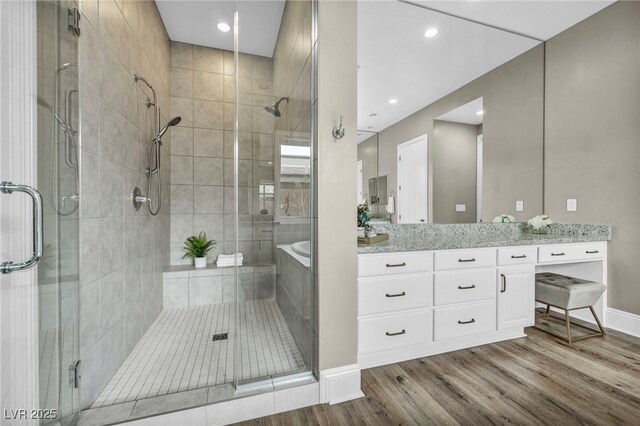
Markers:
<point>457,181</point>
<point>412,181</point>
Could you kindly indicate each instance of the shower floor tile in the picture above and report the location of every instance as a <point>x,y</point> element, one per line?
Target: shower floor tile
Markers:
<point>178,353</point>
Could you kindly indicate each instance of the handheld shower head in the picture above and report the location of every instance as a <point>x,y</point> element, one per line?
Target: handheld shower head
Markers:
<point>273,108</point>
<point>173,122</point>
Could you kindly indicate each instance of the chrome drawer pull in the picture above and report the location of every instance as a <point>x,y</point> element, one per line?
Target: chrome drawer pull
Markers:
<point>396,265</point>
<point>471,321</point>
<point>396,295</point>
<point>397,334</point>
<point>473,259</point>
<point>522,256</point>
<point>557,254</point>
<point>467,287</point>
<point>592,252</point>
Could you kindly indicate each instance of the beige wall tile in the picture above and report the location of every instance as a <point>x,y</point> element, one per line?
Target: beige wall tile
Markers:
<point>182,141</point>
<point>208,143</point>
<point>182,82</point>
<point>208,114</point>
<point>207,171</point>
<point>184,108</point>
<point>181,55</point>
<point>208,86</point>
<point>208,59</point>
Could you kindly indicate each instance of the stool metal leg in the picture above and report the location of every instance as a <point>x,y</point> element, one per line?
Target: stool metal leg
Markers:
<point>568,322</point>
<point>597,321</point>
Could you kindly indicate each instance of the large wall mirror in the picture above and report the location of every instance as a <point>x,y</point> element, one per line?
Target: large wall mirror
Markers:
<point>450,114</point>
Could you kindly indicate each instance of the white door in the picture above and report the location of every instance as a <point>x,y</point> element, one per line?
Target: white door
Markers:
<point>360,191</point>
<point>412,181</point>
<point>18,290</point>
<point>516,296</point>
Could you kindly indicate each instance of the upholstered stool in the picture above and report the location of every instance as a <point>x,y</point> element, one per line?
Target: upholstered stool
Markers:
<point>568,293</point>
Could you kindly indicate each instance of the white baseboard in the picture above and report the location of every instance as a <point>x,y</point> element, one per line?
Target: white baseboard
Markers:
<point>625,322</point>
<point>340,384</point>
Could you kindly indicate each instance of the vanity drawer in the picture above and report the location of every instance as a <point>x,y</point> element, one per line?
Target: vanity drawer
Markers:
<point>463,320</point>
<point>517,255</point>
<point>465,259</point>
<point>394,331</point>
<point>371,265</point>
<point>377,295</point>
<point>464,286</point>
<point>569,252</point>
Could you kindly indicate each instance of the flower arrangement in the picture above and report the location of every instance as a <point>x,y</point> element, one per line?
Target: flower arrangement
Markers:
<point>540,224</point>
<point>363,215</point>
<point>504,218</point>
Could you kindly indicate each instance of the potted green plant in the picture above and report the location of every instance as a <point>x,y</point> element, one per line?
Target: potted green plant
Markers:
<point>197,246</point>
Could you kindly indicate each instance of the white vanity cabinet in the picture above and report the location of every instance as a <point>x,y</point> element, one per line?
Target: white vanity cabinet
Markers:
<point>516,296</point>
<point>421,303</point>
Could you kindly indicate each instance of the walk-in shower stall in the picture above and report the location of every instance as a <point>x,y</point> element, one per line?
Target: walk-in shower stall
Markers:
<point>145,139</point>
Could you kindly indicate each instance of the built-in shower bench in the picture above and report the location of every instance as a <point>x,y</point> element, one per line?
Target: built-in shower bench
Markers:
<point>184,285</point>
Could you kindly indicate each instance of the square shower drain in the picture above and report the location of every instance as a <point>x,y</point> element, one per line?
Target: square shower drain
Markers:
<point>220,336</point>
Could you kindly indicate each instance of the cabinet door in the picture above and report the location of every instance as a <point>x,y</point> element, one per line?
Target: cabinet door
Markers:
<point>516,296</point>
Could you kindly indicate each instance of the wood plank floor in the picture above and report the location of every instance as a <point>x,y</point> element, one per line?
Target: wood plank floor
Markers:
<point>529,381</point>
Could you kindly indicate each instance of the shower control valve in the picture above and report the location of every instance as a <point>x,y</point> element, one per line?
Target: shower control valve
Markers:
<point>138,199</point>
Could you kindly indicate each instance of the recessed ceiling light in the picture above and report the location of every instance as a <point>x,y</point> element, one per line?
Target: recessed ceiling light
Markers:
<point>431,32</point>
<point>224,27</point>
<point>393,101</point>
<point>479,112</point>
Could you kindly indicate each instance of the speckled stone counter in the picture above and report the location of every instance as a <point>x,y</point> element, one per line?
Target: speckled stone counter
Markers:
<point>424,237</point>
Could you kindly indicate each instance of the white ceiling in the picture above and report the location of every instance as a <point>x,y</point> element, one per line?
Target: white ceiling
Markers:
<point>193,21</point>
<point>396,61</point>
<point>541,19</point>
<point>466,114</point>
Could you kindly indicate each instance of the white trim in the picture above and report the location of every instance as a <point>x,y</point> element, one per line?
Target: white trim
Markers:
<point>393,356</point>
<point>625,322</point>
<point>239,409</point>
<point>340,384</point>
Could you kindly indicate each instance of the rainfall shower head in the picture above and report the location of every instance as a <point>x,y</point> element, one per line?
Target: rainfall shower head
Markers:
<point>273,108</point>
<point>173,122</point>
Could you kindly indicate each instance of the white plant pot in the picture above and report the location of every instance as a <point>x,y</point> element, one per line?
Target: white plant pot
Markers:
<point>201,262</point>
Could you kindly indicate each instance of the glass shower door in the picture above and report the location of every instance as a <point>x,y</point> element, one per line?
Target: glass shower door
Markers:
<point>272,198</point>
<point>58,182</point>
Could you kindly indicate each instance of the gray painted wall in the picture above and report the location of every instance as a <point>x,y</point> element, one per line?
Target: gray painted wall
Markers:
<point>454,171</point>
<point>592,136</point>
<point>336,224</point>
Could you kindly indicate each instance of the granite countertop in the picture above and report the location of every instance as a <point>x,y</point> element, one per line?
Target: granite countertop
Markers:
<point>445,237</point>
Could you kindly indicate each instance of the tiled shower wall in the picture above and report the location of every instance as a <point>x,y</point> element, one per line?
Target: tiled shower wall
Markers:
<point>203,94</point>
<point>122,252</point>
<point>292,78</point>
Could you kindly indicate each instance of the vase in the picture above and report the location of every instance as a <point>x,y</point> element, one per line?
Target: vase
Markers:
<point>540,231</point>
<point>200,262</point>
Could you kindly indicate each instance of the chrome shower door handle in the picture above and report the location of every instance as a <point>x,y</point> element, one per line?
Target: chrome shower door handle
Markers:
<point>36,198</point>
